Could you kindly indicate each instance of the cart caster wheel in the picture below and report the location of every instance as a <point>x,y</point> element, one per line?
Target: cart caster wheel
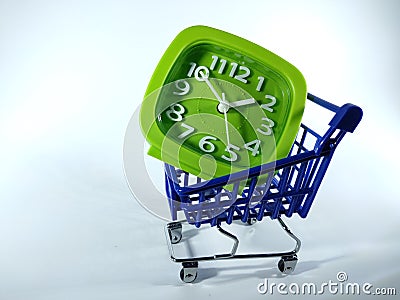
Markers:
<point>287,264</point>
<point>175,232</point>
<point>187,276</point>
<point>188,273</point>
<point>251,221</point>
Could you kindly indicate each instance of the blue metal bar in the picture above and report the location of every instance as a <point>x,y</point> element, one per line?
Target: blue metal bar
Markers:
<point>244,175</point>
<point>278,191</point>
<point>332,107</point>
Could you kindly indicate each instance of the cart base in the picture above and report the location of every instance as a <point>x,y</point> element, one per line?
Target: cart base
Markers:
<point>188,273</point>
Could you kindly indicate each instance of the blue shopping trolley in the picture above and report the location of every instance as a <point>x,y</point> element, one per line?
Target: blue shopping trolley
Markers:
<point>288,187</point>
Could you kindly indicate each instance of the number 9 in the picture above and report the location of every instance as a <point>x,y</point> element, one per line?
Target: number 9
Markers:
<point>183,87</point>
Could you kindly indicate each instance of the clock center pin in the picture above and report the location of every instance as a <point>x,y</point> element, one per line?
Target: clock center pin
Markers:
<point>223,108</point>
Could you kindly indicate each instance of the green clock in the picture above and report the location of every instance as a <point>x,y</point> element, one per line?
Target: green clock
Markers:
<point>217,104</point>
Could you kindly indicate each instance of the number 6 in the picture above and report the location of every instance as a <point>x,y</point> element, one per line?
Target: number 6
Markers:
<point>204,142</point>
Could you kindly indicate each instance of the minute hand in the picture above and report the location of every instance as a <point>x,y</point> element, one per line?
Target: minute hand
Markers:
<point>213,90</point>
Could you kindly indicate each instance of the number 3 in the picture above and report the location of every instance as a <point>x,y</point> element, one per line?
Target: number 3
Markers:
<point>267,126</point>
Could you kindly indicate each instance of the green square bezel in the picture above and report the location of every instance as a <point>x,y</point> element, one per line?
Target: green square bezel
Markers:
<point>201,35</point>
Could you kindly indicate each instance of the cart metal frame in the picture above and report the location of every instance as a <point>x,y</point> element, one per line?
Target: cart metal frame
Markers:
<point>289,188</point>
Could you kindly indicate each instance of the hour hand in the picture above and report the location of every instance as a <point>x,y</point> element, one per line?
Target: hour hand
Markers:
<point>242,102</point>
<point>224,106</point>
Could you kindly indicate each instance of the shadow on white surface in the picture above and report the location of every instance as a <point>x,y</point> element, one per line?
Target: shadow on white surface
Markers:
<point>265,269</point>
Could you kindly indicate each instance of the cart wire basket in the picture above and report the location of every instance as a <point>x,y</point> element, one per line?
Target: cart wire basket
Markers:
<point>289,187</point>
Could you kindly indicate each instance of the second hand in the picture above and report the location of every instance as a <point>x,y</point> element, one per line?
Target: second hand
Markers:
<point>226,121</point>
<point>202,75</point>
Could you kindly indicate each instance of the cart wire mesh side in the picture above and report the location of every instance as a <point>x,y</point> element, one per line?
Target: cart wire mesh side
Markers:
<point>284,187</point>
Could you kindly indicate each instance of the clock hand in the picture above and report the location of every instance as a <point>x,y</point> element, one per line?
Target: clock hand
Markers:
<point>204,77</point>
<point>242,102</point>
<point>223,106</point>
<point>226,122</point>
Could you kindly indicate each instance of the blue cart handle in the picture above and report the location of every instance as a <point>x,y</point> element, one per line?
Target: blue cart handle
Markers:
<point>332,107</point>
<point>346,118</point>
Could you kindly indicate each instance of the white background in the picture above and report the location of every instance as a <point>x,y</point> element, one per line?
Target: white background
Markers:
<point>71,75</point>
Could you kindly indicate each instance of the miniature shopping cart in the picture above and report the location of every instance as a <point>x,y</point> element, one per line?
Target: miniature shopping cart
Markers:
<point>288,187</point>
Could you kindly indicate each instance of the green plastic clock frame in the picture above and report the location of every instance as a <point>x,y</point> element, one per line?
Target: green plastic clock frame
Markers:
<point>258,72</point>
